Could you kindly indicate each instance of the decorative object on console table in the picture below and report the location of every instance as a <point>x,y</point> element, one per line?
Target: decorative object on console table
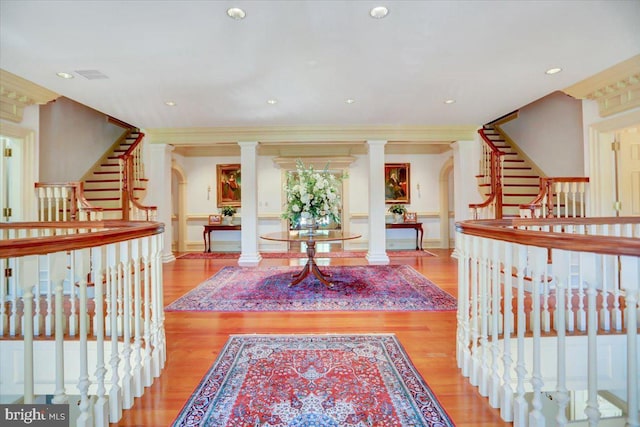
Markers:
<point>397,186</point>
<point>227,214</point>
<point>410,217</point>
<point>228,185</point>
<point>215,219</point>
<point>398,212</point>
<point>311,195</point>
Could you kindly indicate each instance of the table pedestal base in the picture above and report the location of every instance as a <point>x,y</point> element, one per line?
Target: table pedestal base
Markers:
<point>311,268</point>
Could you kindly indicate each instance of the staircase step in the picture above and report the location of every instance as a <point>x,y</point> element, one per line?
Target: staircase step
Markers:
<point>105,173</point>
<point>101,180</point>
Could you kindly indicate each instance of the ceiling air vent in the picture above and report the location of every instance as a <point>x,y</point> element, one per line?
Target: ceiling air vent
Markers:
<point>91,74</point>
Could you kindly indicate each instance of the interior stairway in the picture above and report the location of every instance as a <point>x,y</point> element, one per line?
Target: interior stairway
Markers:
<point>102,183</point>
<point>520,183</point>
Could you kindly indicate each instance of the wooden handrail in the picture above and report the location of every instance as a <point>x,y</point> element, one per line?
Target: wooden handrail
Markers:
<point>546,185</point>
<point>111,231</point>
<point>77,197</point>
<point>127,182</point>
<point>495,178</point>
<point>503,229</point>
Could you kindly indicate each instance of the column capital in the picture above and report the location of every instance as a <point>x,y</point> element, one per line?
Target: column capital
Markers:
<point>248,144</point>
<point>374,142</point>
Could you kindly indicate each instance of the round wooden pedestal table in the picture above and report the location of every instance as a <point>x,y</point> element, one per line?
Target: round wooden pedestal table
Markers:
<point>310,239</point>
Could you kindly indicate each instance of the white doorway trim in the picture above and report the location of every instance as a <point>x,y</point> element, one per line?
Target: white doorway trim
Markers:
<point>601,169</point>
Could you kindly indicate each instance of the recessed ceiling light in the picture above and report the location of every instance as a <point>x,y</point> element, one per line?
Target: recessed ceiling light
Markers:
<point>272,101</point>
<point>170,103</point>
<point>236,13</point>
<point>553,71</point>
<point>379,12</point>
<point>450,101</point>
<point>64,75</point>
<point>349,101</point>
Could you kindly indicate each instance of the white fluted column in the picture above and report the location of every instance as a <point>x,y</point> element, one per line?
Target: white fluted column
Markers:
<point>377,232</point>
<point>158,169</point>
<point>250,256</point>
<point>465,168</point>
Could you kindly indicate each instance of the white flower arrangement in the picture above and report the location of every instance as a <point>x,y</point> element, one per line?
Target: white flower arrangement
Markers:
<point>311,194</point>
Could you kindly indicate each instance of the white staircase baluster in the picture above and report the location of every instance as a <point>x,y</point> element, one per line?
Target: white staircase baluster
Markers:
<point>484,297</point>
<point>81,263</point>
<point>581,314</point>
<point>494,384</point>
<point>561,269</point>
<point>27,336</point>
<point>506,393</point>
<point>630,271</point>
<point>73,316</point>
<point>160,348</point>
<point>101,404</point>
<point>4,318</point>
<point>146,259</point>
<point>127,379</point>
<point>115,392</point>
<point>605,312</point>
<point>474,379</point>
<point>58,273</point>
<point>520,406</point>
<point>538,261</point>
<point>592,411</point>
<point>138,387</point>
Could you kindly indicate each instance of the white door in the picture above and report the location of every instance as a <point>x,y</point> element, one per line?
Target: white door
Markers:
<point>629,171</point>
<point>11,182</point>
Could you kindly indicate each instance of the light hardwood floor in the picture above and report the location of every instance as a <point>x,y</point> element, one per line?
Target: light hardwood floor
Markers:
<point>194,340</point>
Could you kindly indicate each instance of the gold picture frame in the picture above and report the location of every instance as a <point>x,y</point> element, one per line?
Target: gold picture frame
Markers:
<point>215,219</point>
<point>228,184</point>
<point>397,183</point>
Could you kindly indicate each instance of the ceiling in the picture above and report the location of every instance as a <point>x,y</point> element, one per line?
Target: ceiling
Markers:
<point>311,56</point>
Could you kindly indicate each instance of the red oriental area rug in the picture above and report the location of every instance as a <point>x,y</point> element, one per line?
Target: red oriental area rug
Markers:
<point>313,380</point>
<point>371,287</point>
<point>336,254</point>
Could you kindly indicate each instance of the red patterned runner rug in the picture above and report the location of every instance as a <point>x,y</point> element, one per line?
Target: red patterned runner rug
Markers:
<point>336,254</point>
<point>370,287</point>
<point>313,380</point>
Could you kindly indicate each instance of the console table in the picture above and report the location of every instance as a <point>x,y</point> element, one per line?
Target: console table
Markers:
<point>415,225</point>
<point>206,234</point>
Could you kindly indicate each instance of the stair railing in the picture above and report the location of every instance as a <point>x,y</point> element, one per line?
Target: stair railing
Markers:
<point>558,197</point>
<point>491,170</point>
<point>131,177</point>
<point>83,305</point>
<point>529,331</point>
<point>64,202</point>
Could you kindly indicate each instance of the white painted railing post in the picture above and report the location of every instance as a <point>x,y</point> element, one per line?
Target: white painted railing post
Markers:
<point>115,392</point>
<point>474,378</point>
<point>127,379</point>
<point>496,323</point>
<point>81,262</point>
<point>101,404</point>
<point>506,392</point>
<point>520,406</point>
<point>538,258</point>
<point>27,334</point>
<point>58,273</point>
<point>146,259</point>
<point>484,296</point>
<point>592,411</point>
<point>138,387</point>
<point>630,272</point>
<point>561,267</point>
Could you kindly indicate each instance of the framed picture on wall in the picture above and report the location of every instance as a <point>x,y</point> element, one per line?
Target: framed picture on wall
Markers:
<point>397,187</point>
<point>228,185</point>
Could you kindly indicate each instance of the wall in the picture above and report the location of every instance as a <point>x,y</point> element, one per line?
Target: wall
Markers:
<point>72,138</point>
<point>550,132</point>
<point>201,174</point>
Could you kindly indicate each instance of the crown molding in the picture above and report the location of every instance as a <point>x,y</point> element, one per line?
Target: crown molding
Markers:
<point>17,93</point>
<point>311,134</point>
<point>615,89</point>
